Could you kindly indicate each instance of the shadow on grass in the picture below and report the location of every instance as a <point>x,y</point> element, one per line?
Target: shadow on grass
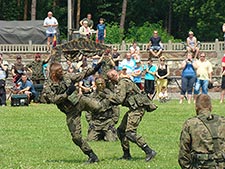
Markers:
<point>65,161</point>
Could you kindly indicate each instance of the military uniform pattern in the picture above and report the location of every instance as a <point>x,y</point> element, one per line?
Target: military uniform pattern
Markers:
<point>196,139</point>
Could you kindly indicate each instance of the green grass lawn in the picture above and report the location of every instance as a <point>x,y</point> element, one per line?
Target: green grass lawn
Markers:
<point>36,137</point>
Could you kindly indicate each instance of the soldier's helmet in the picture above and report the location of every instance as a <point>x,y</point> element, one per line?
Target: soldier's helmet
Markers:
<point>100,84</point>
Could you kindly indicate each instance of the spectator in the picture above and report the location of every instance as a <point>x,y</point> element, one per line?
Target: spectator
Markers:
<point>163,95</point>
<point>192,44</point>
<point>202,138</point>
<point>116,57</point>
<point>129,63</point>
<point>36,68</point>
<point>162,73</point>
<point>135,51</point>
<point>3,76</point>
<point>150,72</point>
<point>89,20</point>
<point>204,75</point>
<point>155,45</point>
<point>85,31</point>
<point>18,69</point>
<point>188,77</point>
<point>27,87</point>
<point>87,85</point>
<point>95,60</point>
<point>123,73</point>
<point>223,29</point>
<point>101,31</point>
<point>51,23</point>
<point>137,74</point>
<point>70,67</point>
<point>223,80</point>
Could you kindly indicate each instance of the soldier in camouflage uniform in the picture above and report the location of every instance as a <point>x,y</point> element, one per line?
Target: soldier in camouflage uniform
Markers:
<point>36,67</point>
<point>129,95</point>
<point>102,125</point>
<point>60,90</point>
<point>202,140</point>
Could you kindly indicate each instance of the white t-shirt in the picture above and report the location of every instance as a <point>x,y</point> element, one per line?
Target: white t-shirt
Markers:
<point>50,21</point>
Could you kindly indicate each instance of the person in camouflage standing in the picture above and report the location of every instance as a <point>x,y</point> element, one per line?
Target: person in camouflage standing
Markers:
<point>102,125</point>
<point>61,91</point>
<point>129,95</point>
<point>202,140</point>
<point>36,67</point>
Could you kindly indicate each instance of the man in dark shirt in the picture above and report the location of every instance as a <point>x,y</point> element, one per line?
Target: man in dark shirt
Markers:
<point>155,45</point>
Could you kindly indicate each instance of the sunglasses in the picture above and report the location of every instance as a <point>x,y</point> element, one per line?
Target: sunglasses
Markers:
<point>162,60</point>
<point>202,56</point>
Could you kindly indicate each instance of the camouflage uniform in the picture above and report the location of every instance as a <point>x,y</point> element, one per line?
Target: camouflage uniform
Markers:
<point>202,142</point>
<point>102,125</point>
<point>37,71</point>
<point>129,95</point>
<point>72,105</point>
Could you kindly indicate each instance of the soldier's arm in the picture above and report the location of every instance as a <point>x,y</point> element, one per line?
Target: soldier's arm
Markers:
<point>76,77</point>
<point>184,157</point>
<point>88,117</point>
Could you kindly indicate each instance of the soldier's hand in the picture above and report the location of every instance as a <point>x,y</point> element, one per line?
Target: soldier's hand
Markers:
<point>98,66</point>
<point>70,90</point>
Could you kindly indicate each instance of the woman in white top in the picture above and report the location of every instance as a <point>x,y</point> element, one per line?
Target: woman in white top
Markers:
<point>192,44</point>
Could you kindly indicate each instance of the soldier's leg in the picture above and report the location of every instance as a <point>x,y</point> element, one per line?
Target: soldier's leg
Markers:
<point>110,134</point>
<point>133,121</point>
<point>74,125</point>
<point>123,139</point>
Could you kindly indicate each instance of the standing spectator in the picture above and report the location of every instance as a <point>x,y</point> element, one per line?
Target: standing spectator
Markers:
<point>101,31</point>
<point>188,77</point>
<point>204,75</point>
<point>155,45</point>
<point>89,20</point>
<point>116,57</point>
<point>36,68</point>
<point>129,63</point>
<point>162,73</point>
<point>18,69</point>
<point>135,51</point>
<point>27,87</point>
<point>202,138</point>
<point>223,28</point>
<point>192,44</point>
<point>3,76</point>
<point>137,74</point>
<point>51,23</point>
<point>223,80</point>
<point>150,71</point>
<point>85,31</point>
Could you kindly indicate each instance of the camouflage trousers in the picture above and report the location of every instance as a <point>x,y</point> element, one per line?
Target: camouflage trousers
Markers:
<point>102,130</point>
<point>127,131</point>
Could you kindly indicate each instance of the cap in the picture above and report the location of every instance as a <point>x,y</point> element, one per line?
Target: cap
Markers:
<point>85,21</point>
<point>124,67</point>
<point>18,57</point>
<point>138,61</point>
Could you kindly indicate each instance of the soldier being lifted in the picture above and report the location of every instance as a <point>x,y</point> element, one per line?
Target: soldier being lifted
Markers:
<point>102,125</point>
<point>60,90</point>
<point>202,140</point>
<point>129,95</point>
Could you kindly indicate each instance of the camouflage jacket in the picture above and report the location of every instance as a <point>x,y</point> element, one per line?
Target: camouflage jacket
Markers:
<point>37,70</point>
<point>107,65</point>
<point>56,92</point>
<point>196,141</point>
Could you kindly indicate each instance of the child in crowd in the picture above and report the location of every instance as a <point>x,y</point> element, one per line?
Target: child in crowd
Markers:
<point>163,95</point>
<point>101,31</point>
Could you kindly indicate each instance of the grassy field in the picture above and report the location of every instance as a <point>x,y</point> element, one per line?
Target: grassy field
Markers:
<point>36,137</point>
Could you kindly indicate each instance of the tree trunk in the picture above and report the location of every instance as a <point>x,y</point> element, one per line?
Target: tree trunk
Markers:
<point>18,6</point>
<point>170,17</point>
<point>123,16</point>
<point>78,14</point>
<point>25,10</point>
<point>54,6</point>
<point>33,10</point>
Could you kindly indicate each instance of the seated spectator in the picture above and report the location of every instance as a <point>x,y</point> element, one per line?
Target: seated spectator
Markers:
<point>192,44</point>
<point>137,74</point>
<point>18,69</point>
<point>135,51</point>
<point>150,71</point>
<point>3,76</point>
<point>85,31</point>
<point>162,73</point>
<point>95,60</point>
<point>188,77</point>
<point>27,87</point>
<point>116,57</point>
<point>87,85</point>
<point>89,20</point>
<point>123,73</point>
<point>163,95</point>
<point>129,63</point>
<point>155,45</point>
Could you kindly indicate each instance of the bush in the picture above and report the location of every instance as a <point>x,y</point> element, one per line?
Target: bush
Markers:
<point>113,33</point>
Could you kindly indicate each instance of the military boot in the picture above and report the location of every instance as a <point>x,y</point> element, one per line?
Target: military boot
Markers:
<point>126,155</point>
<point>92,158</point>
<point>149,153</point>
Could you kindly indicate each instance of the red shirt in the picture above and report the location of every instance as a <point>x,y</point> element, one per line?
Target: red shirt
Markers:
<point>223,60</point>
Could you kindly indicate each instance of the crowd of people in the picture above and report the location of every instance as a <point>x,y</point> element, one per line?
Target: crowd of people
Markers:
<point>108,81</point>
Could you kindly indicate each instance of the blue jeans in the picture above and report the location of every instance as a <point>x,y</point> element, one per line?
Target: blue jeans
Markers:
<point>187,84</point>
<point>201,83</point>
